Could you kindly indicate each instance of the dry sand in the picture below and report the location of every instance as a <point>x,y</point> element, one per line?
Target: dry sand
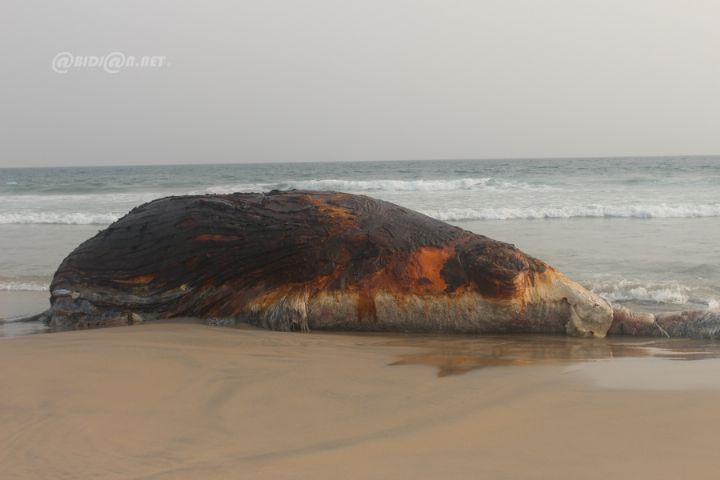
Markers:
<point>188,401</point>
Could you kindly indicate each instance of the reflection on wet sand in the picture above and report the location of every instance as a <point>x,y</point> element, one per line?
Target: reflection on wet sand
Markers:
<point>458,355</point>
<point>17,305</point>
<point>18,329</point>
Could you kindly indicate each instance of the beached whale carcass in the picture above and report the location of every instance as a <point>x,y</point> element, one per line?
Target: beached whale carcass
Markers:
<point>304,260</point>
<point>310,260</point>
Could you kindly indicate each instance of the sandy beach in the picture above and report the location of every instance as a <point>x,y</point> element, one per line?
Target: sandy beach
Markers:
<point>360,240</point>
<point>185,401</point>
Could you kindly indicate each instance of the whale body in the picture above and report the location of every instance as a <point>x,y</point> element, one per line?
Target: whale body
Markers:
<point>305,260</point>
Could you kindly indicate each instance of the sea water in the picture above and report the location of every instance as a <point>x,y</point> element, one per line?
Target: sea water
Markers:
<point>645,232</point>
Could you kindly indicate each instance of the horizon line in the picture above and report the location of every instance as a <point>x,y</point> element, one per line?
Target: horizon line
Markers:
<point>300,162</point>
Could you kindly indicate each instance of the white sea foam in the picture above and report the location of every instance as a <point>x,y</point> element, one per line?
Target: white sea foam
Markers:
<point>35,200</point>
<point>382,185</point>
<point>446,214</point>
<point>61,218</point>
<point>628,291</point>
<point>22,285</point>
<point>669,293</point>
<point>580,211</point>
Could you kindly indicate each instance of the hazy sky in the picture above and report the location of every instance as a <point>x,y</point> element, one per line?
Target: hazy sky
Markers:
<point>265,80</point>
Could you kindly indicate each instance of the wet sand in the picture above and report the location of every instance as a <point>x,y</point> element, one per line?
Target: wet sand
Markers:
<point>188,401</point>
<point>15,305</point>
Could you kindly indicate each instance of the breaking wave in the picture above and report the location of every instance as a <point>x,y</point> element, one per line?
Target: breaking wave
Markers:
<point>70,218</point>
<point>659,293</point>
<point>382,185</point>
<point>586,211</point>
<point>446,214</point>
<point>27,285</point>
<point>626,290</point>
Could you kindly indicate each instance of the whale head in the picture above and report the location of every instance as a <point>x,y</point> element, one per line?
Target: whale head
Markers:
<point>589,314</point>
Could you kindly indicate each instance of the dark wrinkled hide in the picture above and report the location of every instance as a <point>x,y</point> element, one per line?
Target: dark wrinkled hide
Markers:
<point>184,255</point>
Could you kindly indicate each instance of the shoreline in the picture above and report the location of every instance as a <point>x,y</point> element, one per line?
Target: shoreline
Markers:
<point>182,400</point>
<point>15,305</point>
<point>21,303</point>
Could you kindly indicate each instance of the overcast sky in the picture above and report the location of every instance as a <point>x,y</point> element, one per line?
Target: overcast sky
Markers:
<point>266,80</point>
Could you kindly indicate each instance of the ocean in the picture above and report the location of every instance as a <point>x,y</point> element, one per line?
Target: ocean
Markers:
<point>644,232</point>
